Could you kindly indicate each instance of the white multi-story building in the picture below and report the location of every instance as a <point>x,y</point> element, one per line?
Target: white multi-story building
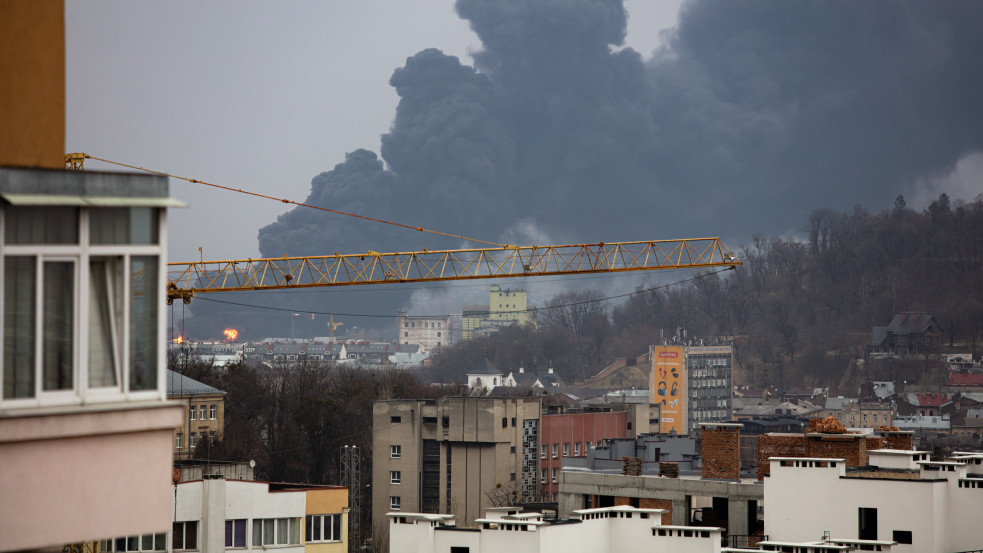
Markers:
<point>430,332</point>
<point>214,514</point>
<point>605,530</point>
<point>924,506</point>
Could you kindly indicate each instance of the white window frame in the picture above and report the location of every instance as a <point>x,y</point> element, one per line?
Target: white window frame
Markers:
<point>260,524</point>
<point>395,503</point>
<point>542,451</point>
<point>185,533</point>
<point>556,473</point>
<point>192,412</point>
<point>81,254</point>
<point>192,440</point>
<point>327,527</point>
<point>576,449</point>
<point>178,440</point>
<point>395,451</point>
<point>566,449</point>
<point>395,477</point>
<point>212,410</point>
<point>556,449</point>
<point>202,412</point>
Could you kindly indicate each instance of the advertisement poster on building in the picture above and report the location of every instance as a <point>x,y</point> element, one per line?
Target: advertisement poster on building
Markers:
<point>666,388</point>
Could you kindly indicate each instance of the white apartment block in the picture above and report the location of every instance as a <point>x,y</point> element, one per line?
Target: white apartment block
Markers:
<point>605,530</point>
<point>214,515</point>
<point>924,506</point>
<point>430,332</point>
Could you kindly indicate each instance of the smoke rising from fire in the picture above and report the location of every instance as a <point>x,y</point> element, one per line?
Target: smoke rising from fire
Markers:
<point>752,115</point>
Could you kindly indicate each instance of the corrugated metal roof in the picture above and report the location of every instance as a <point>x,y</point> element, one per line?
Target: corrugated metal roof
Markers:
<point>180,385</point>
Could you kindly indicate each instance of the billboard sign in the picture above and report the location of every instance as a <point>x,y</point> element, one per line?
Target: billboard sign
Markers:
<point>667,388</point>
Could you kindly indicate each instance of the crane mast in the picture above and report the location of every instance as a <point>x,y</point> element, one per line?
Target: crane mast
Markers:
<point>185,280</point>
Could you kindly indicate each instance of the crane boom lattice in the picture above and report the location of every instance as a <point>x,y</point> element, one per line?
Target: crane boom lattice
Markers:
<point>187,279</point>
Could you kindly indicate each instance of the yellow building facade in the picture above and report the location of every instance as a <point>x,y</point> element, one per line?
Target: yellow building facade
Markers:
<point>505,307</point>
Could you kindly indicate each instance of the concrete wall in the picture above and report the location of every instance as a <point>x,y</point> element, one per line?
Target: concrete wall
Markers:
<point>32,83</point>
<point>802,502</point>
<point>60,467</point>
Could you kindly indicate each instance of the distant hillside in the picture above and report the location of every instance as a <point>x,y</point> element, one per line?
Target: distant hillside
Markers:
<point>801,312</point>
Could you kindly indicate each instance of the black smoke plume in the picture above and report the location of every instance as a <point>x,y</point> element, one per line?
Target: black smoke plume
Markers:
<point>753,114</point>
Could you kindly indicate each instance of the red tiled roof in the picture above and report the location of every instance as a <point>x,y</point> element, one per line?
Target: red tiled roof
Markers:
<point>932,400</point>
<point>965,379</point>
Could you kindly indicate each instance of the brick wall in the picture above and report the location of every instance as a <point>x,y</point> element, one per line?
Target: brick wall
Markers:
<point>778,445</point>
<point>721,452</point>
<point>659,504</point>
<point>898,441</point>
<point>853,448</point>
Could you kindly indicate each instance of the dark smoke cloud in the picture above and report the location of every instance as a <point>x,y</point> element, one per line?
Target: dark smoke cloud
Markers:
<point>752,115</point>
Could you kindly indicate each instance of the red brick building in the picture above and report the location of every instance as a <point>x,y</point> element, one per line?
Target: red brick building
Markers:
<point>572,435</point>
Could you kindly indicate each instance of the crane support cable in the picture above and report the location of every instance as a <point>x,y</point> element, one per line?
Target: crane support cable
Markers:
<point>75,161</point>
<point>187,279</point>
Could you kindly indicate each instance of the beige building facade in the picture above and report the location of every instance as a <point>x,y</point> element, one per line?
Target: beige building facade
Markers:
<point>430,332</point>
<point>204,413</point>
<point>505,307</point>
<point>454,455</point>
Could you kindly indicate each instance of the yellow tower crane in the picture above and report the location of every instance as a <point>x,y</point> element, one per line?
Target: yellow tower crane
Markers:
<point>185,280</point>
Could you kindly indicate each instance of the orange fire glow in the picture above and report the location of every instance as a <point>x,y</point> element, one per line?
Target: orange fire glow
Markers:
<point>231,334</point>
<point>179,340</point>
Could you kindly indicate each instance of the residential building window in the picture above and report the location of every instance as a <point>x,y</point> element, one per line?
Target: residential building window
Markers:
<point>542,477</point>
<point>395,451</point>
<point>395,419</point>
<point>394,503</point>
<point>323,528</point>
<point>192,439</point>
<point>235,533</point>
<point>513,418</point>
<point>212,410</point>
<point>184,535</point>
<point>438,334</point>
<point>146,542</point>
<point>542,451</point>
<point>556,472</point>
<point>566,450</point>
<point>178,438</point>
<point>875,420</point>
<point>576,449</point>
<point>192,413</point>
<point>44,259</point>
<point>276,531</point>
<point>395,477</point>
<point>505,422</point>
<point>556,448</point>
<point>512,477</point>
<point>406,334</point>
<point>902,536</point>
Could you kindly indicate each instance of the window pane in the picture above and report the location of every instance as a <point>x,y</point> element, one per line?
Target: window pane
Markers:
<point>228,533</point>
<point>336,527</point>
<point>120,544</point>
<point>313,528</point>
<point>18,326</point>
<point>191,535</point>
<point>282,536</point>
<point>159,544</point>
<point>41,225</point>
<point>240,533</point>
<point>143,323</point>
<point>124,225</point>
<point>105,316</point>
<point>59,325</point>
<point>268,531</point>
<point>148,542</point>
<point>177,537</point>
<point>257,531</point>
<point>294,530</point>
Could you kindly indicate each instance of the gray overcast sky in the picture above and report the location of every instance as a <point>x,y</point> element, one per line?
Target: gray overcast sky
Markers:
<point>254,95</point>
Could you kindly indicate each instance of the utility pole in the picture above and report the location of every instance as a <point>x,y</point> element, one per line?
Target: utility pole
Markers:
<point>351,469</point>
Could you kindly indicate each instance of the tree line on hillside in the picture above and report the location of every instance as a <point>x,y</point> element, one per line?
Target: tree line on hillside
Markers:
<point>800,311</point>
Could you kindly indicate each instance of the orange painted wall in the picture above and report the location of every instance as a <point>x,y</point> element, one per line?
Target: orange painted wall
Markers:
<point>32,83</point>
